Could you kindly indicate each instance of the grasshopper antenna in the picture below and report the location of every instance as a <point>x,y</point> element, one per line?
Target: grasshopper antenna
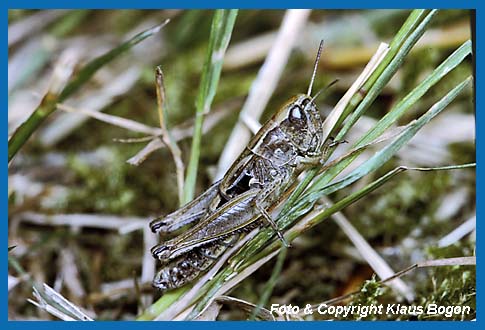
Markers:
<point>315,68</point>
<point>324,89</point>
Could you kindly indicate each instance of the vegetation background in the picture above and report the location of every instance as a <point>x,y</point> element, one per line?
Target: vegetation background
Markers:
<point>79,208</point>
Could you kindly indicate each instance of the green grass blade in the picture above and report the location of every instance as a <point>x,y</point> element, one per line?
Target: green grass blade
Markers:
<point>271,282</point>
<point>162,304</point>
<point>90,69</point>
<point>412,29</point>
<point>388,151</point>
<point>401,107</point>
<point>48,103</point>
<point>410,25</point>
<point>387,74</point>
<point>340,205</point>
<point>221,30</point>
<point>346,201</point>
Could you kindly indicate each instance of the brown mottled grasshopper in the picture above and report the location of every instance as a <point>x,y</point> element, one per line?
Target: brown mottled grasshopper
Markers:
<point>290,142</point>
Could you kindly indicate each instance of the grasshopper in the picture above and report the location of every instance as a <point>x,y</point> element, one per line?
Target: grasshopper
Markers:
<point>290,142</point>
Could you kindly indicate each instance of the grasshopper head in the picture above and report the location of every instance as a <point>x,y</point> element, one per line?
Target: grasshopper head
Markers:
<point>300,121</point>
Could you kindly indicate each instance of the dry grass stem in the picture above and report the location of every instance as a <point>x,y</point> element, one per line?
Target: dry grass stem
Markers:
<point>461,231</point>
<point>264,85</point>
<point>375,261</point>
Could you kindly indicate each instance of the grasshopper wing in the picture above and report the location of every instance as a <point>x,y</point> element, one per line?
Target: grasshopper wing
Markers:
<point>237,214</point>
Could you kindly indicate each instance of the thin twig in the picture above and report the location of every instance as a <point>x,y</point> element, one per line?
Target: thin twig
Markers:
<point>166,135</point>
<point>184,131</point>
<point>113,120</point>
<point>271,282</point>
<point>97,100</point>
<point>123,225</point>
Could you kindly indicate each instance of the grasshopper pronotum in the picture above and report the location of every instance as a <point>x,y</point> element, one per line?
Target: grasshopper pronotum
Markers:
<point>290,142</point>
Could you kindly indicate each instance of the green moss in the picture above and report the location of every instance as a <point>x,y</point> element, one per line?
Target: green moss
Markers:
<point>450,285</point>
<point>101,188</point>
<point>369,294</point>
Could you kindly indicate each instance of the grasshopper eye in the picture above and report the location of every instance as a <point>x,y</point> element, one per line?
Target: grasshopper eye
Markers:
<point>295,114</point>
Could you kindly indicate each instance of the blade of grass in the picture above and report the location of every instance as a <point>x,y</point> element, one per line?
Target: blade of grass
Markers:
<point>162,304</point>
<point>318,216</point>
<point>221,30</point>
<point>48,103</point>
<point>388,151</point>
<point>400,46</point>
<point>386,75</point>
<point>271,282</point>
<point>410,25</point>
<point>55,304</point>
<point>400,108</point>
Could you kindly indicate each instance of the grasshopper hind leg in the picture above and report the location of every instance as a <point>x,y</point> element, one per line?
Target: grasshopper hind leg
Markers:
<point>188,267</point>
<point>166,224</point>
<point>192,212</point>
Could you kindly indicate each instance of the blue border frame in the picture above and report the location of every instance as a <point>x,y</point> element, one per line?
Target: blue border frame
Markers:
<point>328,4</point>
<point>246,4</point>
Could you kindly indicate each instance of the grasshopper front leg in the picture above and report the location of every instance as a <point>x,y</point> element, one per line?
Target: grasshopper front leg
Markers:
<point>318,159</point>
<point>193,211</point>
